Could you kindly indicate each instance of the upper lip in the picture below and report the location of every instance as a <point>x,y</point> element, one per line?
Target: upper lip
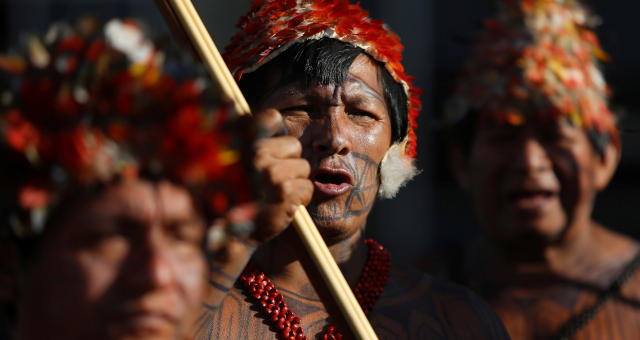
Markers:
<point>131,312</point>
<point>529,189</point>
<point>338,174</point>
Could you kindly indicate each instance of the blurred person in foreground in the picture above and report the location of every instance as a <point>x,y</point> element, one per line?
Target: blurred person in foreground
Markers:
<point>533,141</point>
<point>331,79</point>
<point>113,161</point>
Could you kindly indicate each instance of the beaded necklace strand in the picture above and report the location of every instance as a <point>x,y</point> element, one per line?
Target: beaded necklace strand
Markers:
<point>284,320</point>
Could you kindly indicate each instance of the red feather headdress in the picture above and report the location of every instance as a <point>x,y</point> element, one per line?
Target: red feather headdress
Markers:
<point>86,106</point>
<point>271,26</point>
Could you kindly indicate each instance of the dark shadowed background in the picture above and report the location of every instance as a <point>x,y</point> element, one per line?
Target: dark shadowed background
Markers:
<point>431,215</point>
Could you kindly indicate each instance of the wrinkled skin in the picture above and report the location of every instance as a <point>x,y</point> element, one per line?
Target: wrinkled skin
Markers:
<point>126,263</point>
<point>344,128</point>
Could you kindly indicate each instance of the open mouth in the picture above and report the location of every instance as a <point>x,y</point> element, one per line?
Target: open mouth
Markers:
<point>530,199</point>
<point>332,182</point>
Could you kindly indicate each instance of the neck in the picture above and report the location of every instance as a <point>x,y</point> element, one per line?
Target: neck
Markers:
<point>567,258</point>
<point>279,259</point>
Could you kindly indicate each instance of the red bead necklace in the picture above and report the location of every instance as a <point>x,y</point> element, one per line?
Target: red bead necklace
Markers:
<point>284,320</point>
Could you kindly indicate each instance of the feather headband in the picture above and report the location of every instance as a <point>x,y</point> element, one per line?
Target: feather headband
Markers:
<point>536,58</point>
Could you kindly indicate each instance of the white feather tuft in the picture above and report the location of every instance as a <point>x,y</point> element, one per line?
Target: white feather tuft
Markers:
<point>396,169</point>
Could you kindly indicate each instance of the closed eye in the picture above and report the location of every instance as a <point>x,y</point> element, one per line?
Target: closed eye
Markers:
<point>298,108</point>
<point>363,113</point>
<point>186,231</point>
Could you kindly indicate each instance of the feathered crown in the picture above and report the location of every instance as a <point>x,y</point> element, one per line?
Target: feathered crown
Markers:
<point>271,26</point>
<point>536,57</point>
<point>87,104</point>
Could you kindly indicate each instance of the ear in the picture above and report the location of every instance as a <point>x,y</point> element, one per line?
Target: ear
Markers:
<point>607,165</point>
<point>460,164</point>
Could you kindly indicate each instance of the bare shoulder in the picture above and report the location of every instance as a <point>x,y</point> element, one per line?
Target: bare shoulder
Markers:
<point>415,305</point>
<point>630,288</point>
<point>622,263</point>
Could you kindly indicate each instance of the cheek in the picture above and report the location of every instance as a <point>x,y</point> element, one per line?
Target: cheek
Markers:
<point>191,273</point>
<point>484,174</point>
<point>575,175</point>
<point>101,266</point>
<point>296,127</point>
<point>372,142</point>
<point>483,170</point>
<point>67,287</point>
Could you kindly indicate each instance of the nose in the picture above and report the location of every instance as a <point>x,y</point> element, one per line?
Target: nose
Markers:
<point>531,156</point>
<point>329,137</point>
<point>150,265</point>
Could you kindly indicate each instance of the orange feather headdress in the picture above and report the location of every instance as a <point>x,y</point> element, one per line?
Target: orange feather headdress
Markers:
<point>271,26</point>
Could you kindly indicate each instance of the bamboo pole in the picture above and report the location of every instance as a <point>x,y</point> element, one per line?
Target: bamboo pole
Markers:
<point>348,311</point>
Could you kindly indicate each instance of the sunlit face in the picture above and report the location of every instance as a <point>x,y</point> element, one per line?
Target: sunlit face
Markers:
<point>345,131</point>
<point>126,263</point>
<point>533,183</point>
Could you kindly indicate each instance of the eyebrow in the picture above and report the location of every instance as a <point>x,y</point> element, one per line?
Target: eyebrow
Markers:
<point>366,88</point>
<point>291,91</point>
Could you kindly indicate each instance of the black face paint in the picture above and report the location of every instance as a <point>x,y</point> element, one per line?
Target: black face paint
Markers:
<point>362,196</point>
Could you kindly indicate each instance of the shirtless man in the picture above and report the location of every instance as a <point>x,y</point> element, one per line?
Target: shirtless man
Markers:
<point>110,223</point>
<point>349,111</point>
<point>533,144</point>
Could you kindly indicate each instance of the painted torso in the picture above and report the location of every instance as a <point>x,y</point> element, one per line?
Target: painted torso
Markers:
<point>412,306</point>
<point>531,314</point>
<point>536,306</point>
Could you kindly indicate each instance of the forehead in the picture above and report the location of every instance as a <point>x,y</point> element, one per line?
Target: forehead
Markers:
<point>137,200</point>
<point>362,80</point>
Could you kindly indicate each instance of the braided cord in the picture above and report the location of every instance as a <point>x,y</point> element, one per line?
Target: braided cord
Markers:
<point>577,322</point>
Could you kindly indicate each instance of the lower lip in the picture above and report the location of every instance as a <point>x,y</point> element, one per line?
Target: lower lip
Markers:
<point>533,203</point>
<point>147,323</point>
<point>331,189</point>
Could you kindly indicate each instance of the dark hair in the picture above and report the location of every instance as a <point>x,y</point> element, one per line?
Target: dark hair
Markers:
<point>326,61</point>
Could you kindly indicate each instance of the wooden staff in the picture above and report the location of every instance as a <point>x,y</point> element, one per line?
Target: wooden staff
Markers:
<point>337,296</point>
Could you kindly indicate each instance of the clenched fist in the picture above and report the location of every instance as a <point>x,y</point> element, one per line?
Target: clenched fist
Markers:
<point>282,176</point>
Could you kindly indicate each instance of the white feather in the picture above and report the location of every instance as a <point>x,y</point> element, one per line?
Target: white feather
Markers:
<point>396,169</point>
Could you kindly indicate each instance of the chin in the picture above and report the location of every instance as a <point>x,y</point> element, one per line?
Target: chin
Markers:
<point>333,232</point>
<point>147,336</point>
<point>335,227</point>
<point>543,227</point>
<point>528,236</point>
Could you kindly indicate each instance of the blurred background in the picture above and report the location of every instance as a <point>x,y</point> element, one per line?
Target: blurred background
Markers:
<point>431,219</point>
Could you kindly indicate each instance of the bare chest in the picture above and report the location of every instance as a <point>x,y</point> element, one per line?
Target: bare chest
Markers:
<point>417,313</point>
<point>536,315</point>
<point>240,317</point>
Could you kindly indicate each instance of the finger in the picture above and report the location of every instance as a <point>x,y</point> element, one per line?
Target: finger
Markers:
<point>276,148</point>
<point>271,221</point>
<point>304,192</point>
<point>274,217</point>
<point>287,169</point>
<point>293,192</point>
<point>269,123</point>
